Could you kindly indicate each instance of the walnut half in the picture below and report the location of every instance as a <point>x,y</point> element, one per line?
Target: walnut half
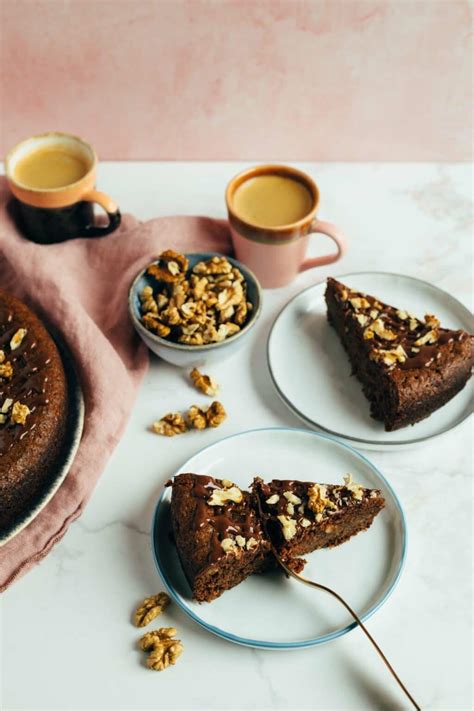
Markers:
<point>163,649</point>
<point>150,608</point>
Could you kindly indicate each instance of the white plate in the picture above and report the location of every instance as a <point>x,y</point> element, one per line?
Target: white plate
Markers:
<point>270,611</point>
<point>312,373</point>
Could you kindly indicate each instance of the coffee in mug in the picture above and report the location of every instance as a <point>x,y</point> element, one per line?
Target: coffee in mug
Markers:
<point>272,212</point>
<point>52,178</point>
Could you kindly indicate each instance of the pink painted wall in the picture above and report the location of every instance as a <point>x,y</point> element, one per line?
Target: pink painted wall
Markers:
<point>249,79</point>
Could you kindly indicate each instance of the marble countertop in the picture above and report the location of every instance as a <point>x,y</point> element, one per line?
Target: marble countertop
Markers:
<point>67,641</point>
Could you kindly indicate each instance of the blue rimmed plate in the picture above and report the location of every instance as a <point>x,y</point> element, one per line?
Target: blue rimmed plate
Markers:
<point>270,611</point>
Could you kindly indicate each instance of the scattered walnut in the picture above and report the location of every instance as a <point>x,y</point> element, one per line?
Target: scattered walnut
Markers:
<point>273,499</point>
<point>150,608</point>
<point>164,650</point>
<point>6,370</point>
<point>219,497</point>
<point>197,418</point>
<point>215,414</point>
<point>288,527</point>
<point>19,413</point>
<point>204,383</point>
<point>171,424</point>
<point>356,490</point>
<point>17,339</point>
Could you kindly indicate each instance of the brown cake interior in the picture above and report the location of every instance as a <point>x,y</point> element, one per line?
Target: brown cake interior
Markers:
<point>408,368</point>
<point>35,378</point>
<point>218,545</point>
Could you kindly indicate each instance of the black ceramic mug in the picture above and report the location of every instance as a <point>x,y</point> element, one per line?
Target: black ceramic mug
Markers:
<point>48,212</point>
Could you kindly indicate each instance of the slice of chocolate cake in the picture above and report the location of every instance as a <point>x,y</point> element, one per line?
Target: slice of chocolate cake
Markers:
<point>218,535</point>
<point>408,367</point>
<point>301,517</point>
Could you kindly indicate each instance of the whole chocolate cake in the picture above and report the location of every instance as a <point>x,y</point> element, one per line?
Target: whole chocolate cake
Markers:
<point>408,367</point>
<point>33,409</point>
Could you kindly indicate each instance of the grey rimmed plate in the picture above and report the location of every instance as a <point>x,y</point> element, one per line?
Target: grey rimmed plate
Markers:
<point>312,373</point>
<point>270,611</point>
<point>74,427</point>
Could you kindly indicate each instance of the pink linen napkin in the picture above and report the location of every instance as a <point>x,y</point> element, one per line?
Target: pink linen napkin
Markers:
<point>81,287</point>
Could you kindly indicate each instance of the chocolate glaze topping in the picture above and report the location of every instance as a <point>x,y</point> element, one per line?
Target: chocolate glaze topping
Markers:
<point>227,521</point>
<point>417,356</point>
<point>28,384</point>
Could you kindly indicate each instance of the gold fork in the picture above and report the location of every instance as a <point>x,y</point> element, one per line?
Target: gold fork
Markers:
<point>349,609</point>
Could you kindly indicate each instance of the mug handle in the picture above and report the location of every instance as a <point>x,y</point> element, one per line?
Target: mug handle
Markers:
<point>110,208</point>
<point>326,228</point>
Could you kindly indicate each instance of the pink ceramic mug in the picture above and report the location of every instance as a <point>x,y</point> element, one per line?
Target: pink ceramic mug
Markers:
<point>277,254</point>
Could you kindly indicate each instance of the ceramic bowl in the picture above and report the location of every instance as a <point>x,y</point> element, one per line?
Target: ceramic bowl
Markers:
<point>183,355</point>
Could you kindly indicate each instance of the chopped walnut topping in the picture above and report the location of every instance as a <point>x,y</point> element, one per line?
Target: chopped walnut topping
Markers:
<point>305,522</point>
<point>207,307</point>
<point>2,356</point>
<point>318,500</point>
<point>361,318</point>
<point>390,357</point>
<point>430,337</point>
<point>379,328</point>
<point>7,403</point>
<point>273,499</point>
<point>251,543</point>
<point>373,314</point>
<point>228,545</point>
<point>240,540</point>
<point>288,527</point>
<point>432,321</point>
<point>343,294</point>
<point>402,315</point>
<point>150,608</point>
<point>356,490</point>
<point>19,413</point>
<point>227,483</point>
<point>17,339</point>
<point>3,419</point>
<point>413,324</point>
<point>290,509</point>
<point>359,302</point>
<point>219,497</point>
<point>204,383</point>
<point>171,424</point>
<point>6,370</point>
<point>291,497</point>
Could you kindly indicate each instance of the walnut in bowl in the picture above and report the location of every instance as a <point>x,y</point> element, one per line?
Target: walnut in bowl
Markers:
<point>194,308</point>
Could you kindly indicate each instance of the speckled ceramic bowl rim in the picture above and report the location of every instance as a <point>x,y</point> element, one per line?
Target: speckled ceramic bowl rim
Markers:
<point>208,346</point>
<point>265,644</point>
<point>74,428</point>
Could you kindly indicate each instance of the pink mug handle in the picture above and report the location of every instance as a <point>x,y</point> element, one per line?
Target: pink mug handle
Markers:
<point>327,228</point>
